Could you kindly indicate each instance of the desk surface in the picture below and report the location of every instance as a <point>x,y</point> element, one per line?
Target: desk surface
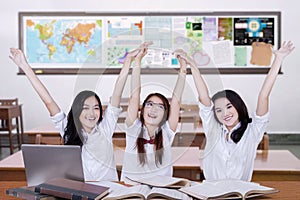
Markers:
<point>288,190</point>
<point>182,157</point>
<point>268,165</point>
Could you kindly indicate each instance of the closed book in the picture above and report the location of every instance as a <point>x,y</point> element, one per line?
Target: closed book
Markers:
<point>28,193</point>
<point>70,189</point>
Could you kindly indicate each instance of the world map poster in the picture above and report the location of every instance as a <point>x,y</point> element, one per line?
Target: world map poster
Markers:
<point>63,40</point>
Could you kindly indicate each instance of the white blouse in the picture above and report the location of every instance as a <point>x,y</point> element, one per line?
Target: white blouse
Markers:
<point>97,149</point>
<point>225,159</point>
<point>131,165</point>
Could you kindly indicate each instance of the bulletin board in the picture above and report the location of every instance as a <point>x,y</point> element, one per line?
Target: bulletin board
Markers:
<point>97,43</point>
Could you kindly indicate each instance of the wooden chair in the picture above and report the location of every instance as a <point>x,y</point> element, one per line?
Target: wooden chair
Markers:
<point>11,119</point>
<point>264,143</point>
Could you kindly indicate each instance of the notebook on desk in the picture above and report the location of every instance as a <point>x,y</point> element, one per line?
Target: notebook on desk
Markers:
<point>45,162</point>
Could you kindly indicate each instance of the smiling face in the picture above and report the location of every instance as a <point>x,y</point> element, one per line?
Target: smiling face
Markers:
<point>90,114</point>
<point>226,113</point>
<point>153,111</point>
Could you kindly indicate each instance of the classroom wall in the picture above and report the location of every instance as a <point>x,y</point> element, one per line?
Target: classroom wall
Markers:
<point>285,97</point>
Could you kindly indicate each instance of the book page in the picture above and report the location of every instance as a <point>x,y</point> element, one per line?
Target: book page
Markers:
<point>204,191</point>
<point>135,191</point>
<point>164,181</point>
<point>242,187</point>
<point>168,194</point>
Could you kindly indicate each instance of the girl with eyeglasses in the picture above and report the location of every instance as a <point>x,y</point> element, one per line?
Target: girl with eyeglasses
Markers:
<point>149,135</point>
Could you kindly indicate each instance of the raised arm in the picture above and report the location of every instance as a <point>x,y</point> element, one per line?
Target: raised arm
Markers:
<point>121,80</point>
<point>263,97</point>
<point>177,93</point>
<point>18,57</point>
<point>200,83</point>
<point>134,101</point>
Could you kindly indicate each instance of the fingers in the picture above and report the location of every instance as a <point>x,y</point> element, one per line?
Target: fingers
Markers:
<point>146,44</point>
<point>181,54</point>
<point>15,52</point>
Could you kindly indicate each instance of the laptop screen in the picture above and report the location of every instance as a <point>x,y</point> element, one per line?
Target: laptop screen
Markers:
<point>44,162</point>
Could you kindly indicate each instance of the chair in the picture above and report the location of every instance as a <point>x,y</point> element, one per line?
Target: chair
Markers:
<point>264,143</point>
<point>11,119</point>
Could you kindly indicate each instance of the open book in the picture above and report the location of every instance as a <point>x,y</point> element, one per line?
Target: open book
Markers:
<point>163,181</point>
<point>227,189</point>
<point>146,192</point>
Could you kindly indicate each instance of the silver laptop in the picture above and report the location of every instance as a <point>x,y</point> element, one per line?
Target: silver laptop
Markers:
<point>44,162</point>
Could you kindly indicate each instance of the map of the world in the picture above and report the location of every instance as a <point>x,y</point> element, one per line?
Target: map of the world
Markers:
<point>63,40</point>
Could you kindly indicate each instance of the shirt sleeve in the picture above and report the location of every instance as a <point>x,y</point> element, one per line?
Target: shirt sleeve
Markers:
<point>169,133</point>
<point>259,125</point>
<point>207,115</point>
<point>60,122</point>
<point>134,129</point>
<point>110,119</point>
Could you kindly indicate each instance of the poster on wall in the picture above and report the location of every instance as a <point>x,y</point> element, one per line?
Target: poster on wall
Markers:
<point>89,43</point>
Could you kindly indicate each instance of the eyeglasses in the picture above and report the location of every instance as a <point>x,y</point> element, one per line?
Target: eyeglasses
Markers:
<point>158,106</point>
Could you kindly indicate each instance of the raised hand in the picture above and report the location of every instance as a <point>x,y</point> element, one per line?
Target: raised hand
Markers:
<point>140,52</point>
<point>18,57</point>
<point>285,49</point>
<point>182,57</point>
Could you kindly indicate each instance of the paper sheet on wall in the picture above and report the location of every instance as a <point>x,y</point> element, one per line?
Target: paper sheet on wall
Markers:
<point>261,54</point>
<point>222,52</point>
<point>240,56</point>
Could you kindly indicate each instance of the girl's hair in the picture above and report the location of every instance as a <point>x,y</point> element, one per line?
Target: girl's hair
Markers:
<point>241,108</point>
<point>158,141</point>
<point>73,134</point>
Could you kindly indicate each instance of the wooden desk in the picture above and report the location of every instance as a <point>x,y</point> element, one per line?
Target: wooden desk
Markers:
<point>186,164</point>
<point>8,113</point>
<point>288,190</point>
<point>47,131</point>
<point>274,165</point>
<point>12,168</point>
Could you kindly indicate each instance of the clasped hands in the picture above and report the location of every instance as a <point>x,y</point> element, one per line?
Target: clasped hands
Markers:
<point>140,52</point>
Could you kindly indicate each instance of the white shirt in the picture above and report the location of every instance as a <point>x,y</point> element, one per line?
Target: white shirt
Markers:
<point>131,164</point>
<point>225,159</point>
<point>97,149</point>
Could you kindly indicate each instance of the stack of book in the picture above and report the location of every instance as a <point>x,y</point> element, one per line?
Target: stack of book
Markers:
<point>60,188</point>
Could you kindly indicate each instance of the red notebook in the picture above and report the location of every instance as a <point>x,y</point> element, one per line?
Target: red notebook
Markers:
<point>70,189</point>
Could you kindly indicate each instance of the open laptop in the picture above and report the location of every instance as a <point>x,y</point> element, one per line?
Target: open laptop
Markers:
<point>44,162</point>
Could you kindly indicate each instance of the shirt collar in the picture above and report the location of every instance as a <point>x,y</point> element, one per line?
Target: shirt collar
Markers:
<point>225,130</point>
<point>86,135</point>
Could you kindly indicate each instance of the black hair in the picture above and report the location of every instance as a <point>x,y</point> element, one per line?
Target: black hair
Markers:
<point>158,137</point>
<point>238,103</point>
<point>73,134</point>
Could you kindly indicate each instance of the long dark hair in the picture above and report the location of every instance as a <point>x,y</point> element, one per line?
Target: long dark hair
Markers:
<point>238,103</point>
<point>73,135</point>
<point>158,141</point>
